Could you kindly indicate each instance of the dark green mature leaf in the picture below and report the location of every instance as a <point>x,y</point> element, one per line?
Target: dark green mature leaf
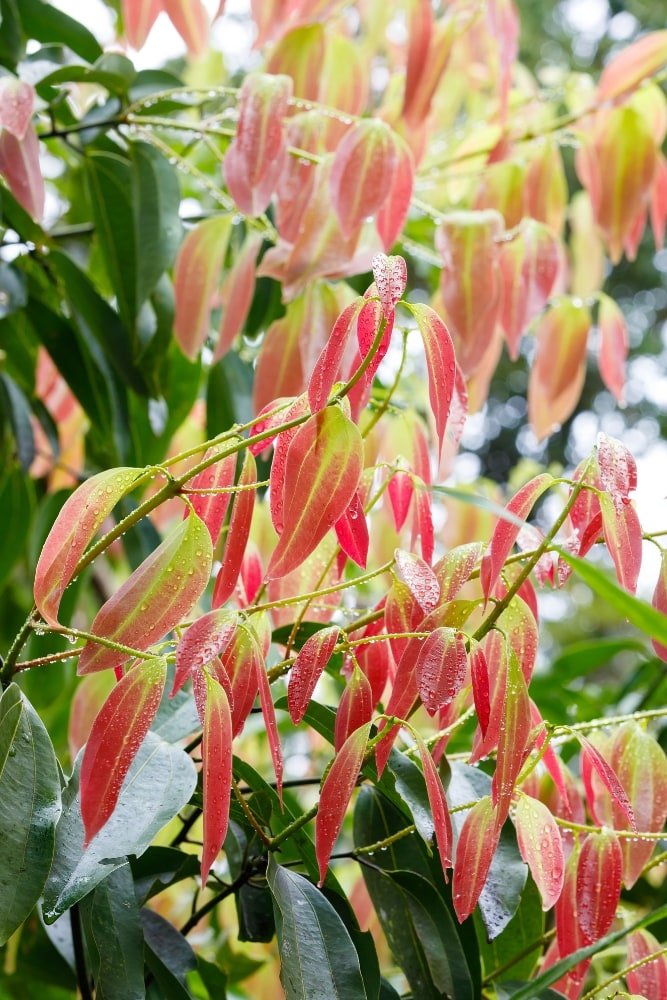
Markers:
<point>113,71</point>
<point>46,23</point>
<point>254,912</point>
<point>213,978</point>
<point>17,503</point>
<point>410,785</point>
<point>17,411</point>
<point>525,928</point>
<point>11,40</point>
<point>159,867</point>
<point>159,783</point>
<point>114,935</point>
<point>362,940</point>
<point>13,290</point>
<point>229,394</point>
<point>318,958</point>
<point>156,199</point>
<point>168,955</point>
<point>30,806</point>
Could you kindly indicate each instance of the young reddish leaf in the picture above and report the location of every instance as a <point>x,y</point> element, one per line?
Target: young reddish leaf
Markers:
<point>541,847</point>
<point>77,523</point>
<point>613,346</point>
<point>479,675</point>
<point>391,276</point>
<point>569,934</point>
<point>20,167</point>
<point>441,668</point>
<point>545,187</point>
<point>237,292</point>
<point>420,578</point>
<point>216,768</point>
<point>284,439</point>
<point>363,172</point>
<point>474,853</point>
<point>439,809</point>
<point>336,793</point>
<point>212,507</point>
<point>196,274</point>
<point>355,707</point>
<point>116,735</point>
<point>529,266</point>
<point>139,16</point>
<point>615,467</point>
<point>328,364</point>
<point>400,492</point>
<point>304,131</point>
<point>599,872</point>
<point>430,49</point>
<point>300,55</point>
<point>456,567</point>
<point>391,217</point>
<point>506,532</point>
<point>307,669</point>
<point>659,602</point>
<point>158,595</point>
<point>513,739</point>
<point>352,532</point>
<point>440,362</point>
<point>256,158</point>
<point>237,536</point>
<point>470,281</point>
<point>17,99</point>
<point>558,374</point>
<point>205,639</point>
<point>403,613</point>
<point>501,189</point>
<point>650,979</point>
<point>368,324</point>
<point>322,471</point>
<point>422,520</point>
<point>190,19</point>
<point>658,206</point>
<point>623,537</point>
<point>633,64</point>
<point>252,573</point>
<point>608,777</point>
<point>374,658</point>
<point>238,659</point>
<point>268,712</point>
<point>88,699</point>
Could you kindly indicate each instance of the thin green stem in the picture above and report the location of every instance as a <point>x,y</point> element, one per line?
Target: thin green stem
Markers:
<point>622,973</point>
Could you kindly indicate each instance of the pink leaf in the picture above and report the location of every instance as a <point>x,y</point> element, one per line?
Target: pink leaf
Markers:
<point>633,64</point>
<point>456,567</point>
<point>237,292</point>
<point>336,793</point>
<point>650,979</point>
<point>474,853</point>
<point>269,714</point>
<point>19,165</point>
<point>205,639</point>
<point>440,362</point>
<point>615,466</point>
<point>392,215</point>
<point>363,172</point>
<point>439,809</point>
<point>299,408</point>
<point>212,507</point>
<point>479,673</point>
<point>422,520</point>
<point>541,847</point>
<point>623,537</point>
<point>241,660</point>
<point>328,364</point>
<point>613,346</point>
<point>352,532</point>
<point>599,872</point>
<point>441,668</point>
<point>400,492</point>
<point>659,601</point>
<point>216,769</point>
<point>16,105</point>
<point>307,670</point>
<point>196,274</point>
<point>237,536</point>
<point>391,276</point>
<point>190,19</point>
<point>608,777</point>
<point>529,267</point>
<point>420,578</point>
<point>355,707</point>
<point>559,370</point>
<point>139,16</point>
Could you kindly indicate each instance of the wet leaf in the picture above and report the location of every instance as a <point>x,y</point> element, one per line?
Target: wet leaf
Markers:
<point>336,793</point>
<point>541,847</point>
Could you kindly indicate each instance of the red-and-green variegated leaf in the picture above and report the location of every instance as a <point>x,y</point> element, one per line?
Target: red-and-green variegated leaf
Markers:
<point>190,19</point>
<point>518,623</point>
<point>613,346</point>
<point>216,767</point>
<point>299,408</point>
<point>633,64</point>
<point>470,281</point>
<point>158,595</point>
<point>441,668</point>
<point>615,466</point>
<point>513,739</point>
<point>237,536</point>
<point>608,777</point>
<point>328,364</point>
<point>439,810</point>
<point>116,735</point>
<point>237,292</point>
<point>422,520</point>
<point>256,158</point>
<point>440,362</point>
<point>403,613</point>
<point>304,131</point>
<point>659,602</point>
<point>474,853</point>
<point>599,872</point>
<point>239,663</point>
<point>268,712</point>
<point>481,693</point>
<point>623,537</point>
<point>139,16</point>
<point>279,369</point>
<point>400,492</point>
<point>79,520</point>
<point>20,167</point>
<point>418,576</point>
<point>212,507</point>
<point>456,567</point>
<point>506,532</point>
<point>391,217</point>
<point>429,67</point>
<point>16,105</point>
<point>650,979</point>
<point>558,374</point>
<point>322,471</point>
<point>545,187</point>
<point>641,766</point>
<point>196,274</point>
<point>300,55</point>
<point>529,266</point>
<point>355,707</point>
<point>307,669</point>
<point>391,276</point>
<point>363,172</point>
<point>541,847</point>
<point>205,639</point>
<point>336,794</point>
<point>352,532</point>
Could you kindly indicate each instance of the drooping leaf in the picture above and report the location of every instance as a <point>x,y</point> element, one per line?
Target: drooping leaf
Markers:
<point>475,848</point>
<point>632,65</point>
<point>114,936</point>
<point>299,408</point>
<point>157,596</point>
<point>541,847</point>
<point>352,532</point>
<point>558,373</point>
<point>363,172</point>
<point>355,707</point>
<point>599,873</point>
<point>440,362</point>
<point>201,642</point>
<point>650,979</point>
<point>336,794</point>
<point>623,536</point>
<point>20,167</point>
<point>328,364</point>
<point>190,19</point>
<point>400,492</point>
<point>212,507</point>
<point>391,217</point>
<point>196,275</point>
<point>659,602</point>
<point>441,668</point>
<point>138,19</point>
<point>613,345</point>
<point>592,756</point>
<point>268,714</point>
<point>307,669</point>
<point>236,294</point>
<point>217,769</point>
<point>436,796</point>
<point>513,741</point>
<point>529,266</point>
<point>238,534</point>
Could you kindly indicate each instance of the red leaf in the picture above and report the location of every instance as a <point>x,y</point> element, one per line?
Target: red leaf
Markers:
<point>474,853</point>
<point>513,739</point>
<point>269,714</point>
<point>441,668</point>
<point>336,793</point>
<point>422,520</point>
<point>307,670</point>
<point>479,673</point>
<point>391,217</point>
<point>237,536</point>
<point>420,578</point>
<point>374,659</point>
<point>541,847</point>
<point>212,507</point>
<point>328,364</point>
<point>205,639</point>
<point>391,276</point>
<point>322,471</point>
<point>623,537</point>
<point>216,768</point>
<point>439,809</point>
<point>196,274</point>
<point>116,735</point>
<point>613,346</point>
<point>256,158</point>
<point>16,105</point>
<point>440,362</point>
<point>237,292</point>
<point>456,567</point>
<point>400,492</point>
<point>599,872</point>
<point>615,466</point>
<point>241,660</point>
<point>506,533</point>
<point>158,595</point>
<point>352,532</point>
<point>304,131</point>
<point>20,166</point>
<point>299,408</point>
<point>659,602</point>
<point>363,172</point>
<point>252,573</point>
<point>77,523</point>
<point>368,325</point>
<point>139,16</point>
<point>608,777</point>
<point>430,50</point>
<point>658,207</point>
<point>403,613</point>
<point>650,980</point>
<point>633,64</point>
<point>355,707</point>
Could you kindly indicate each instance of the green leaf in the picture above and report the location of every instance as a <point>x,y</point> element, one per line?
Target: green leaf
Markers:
<point>30,797</point>
<point>46,23</point>
<point>168,955</point>
<point>645,617</point>
<point>113,71</point>
<point>213,978</point>
<point>525,928</point>
<point>410,785</point>
<point>13,288</point>
<point>17,505</point>
<point>159,867</point>
<point>114,935</point>
<point>11,40</point>
<point>318,958</point>
<point>159,783</point>
<point>255,916</point>
<point>156,200</point>
<point>17,411</point>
